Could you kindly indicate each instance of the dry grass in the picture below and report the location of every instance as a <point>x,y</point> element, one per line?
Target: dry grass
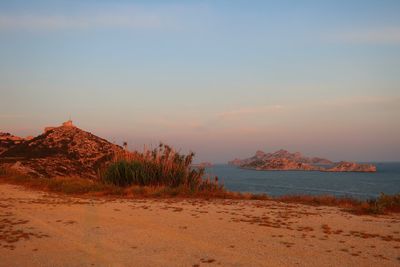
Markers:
<point>65,185</point>
<point>79,187</point>
<point>383,204</point>
<point>162,166</point>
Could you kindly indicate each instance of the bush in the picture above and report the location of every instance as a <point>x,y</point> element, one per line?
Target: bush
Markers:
<point>384,203</point>
<point>162,166</point>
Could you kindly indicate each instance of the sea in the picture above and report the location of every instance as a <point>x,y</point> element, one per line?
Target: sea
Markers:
<point>342,184</point>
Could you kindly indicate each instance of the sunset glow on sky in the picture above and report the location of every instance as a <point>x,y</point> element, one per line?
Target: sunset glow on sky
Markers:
<point>221,78</point>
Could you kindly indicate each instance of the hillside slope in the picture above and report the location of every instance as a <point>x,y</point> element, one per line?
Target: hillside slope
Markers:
<point>61,151</point>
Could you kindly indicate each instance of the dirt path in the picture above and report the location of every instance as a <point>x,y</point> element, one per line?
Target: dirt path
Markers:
<point>40,229</point>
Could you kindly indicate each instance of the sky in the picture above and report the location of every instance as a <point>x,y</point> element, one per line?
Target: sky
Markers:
<point>220,78</point>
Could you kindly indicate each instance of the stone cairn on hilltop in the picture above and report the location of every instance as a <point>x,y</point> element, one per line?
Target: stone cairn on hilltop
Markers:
<point>68,123</point>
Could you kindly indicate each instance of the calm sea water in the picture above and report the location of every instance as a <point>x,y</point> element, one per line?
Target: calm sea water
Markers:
<point>275,183</point>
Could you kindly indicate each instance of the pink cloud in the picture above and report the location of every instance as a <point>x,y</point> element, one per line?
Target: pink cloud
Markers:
<point>249,111</point>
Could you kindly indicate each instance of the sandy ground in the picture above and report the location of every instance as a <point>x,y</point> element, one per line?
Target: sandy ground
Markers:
<point>41,229</point>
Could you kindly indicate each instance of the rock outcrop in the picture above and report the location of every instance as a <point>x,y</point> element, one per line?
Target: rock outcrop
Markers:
<point>296,157</point>
<point>345,166</point>
<point>283,160</point>
<point>61,151</point>
<point>236,162</point>
<point>8,141</point>
<point>280,164</point>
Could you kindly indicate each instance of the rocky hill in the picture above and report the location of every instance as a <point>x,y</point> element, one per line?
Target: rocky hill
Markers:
<point>284,160</point>
<point>61,151</point>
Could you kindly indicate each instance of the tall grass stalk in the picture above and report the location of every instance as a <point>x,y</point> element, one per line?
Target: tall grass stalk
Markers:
<point>162,166</point>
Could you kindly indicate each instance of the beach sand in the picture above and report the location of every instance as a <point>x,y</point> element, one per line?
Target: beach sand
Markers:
<point>44,229</point>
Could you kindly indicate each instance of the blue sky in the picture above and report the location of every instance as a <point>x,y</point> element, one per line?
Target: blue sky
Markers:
<point>222,78</point>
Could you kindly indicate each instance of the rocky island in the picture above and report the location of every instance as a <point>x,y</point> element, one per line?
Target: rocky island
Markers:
<point>283,160</point>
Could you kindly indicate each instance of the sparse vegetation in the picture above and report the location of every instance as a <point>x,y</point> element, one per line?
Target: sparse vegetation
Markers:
<point>65,185</point>
<point>163,173</point>
<point>383,204</point>
<point>81,186</point>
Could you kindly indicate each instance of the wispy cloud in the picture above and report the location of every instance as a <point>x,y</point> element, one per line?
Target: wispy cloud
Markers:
<point>249,111</point>
<point>365,101</point>
<point>126,18</point>
<point>385,35</point>
<point>352,102</point>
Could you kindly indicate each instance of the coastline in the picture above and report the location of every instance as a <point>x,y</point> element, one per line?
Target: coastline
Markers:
<point>360,185</point>
<point>302,170</point>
